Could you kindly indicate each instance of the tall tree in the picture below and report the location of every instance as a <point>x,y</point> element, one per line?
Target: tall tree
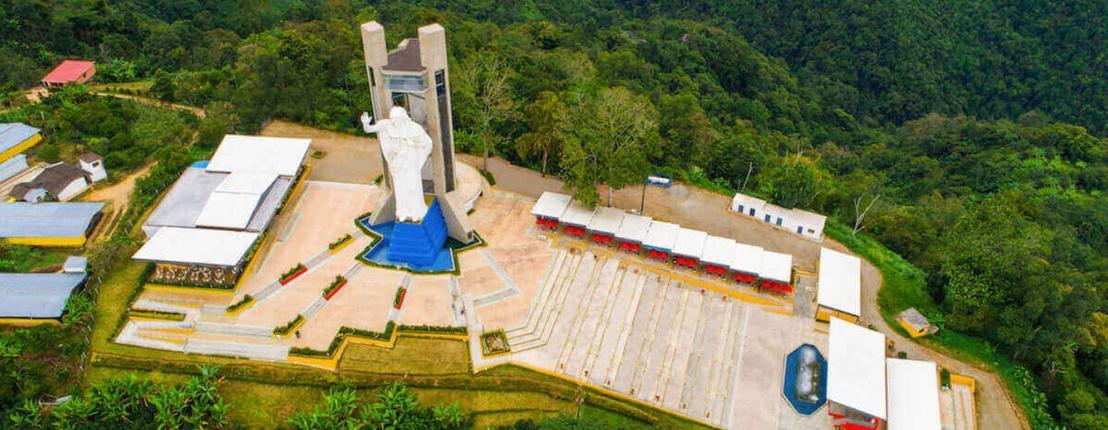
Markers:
<point>486,96</point>
<point>616,131</point>
<point>548,119</point>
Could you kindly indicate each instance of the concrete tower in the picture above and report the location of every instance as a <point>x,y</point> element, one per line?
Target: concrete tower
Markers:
<point>415,76</point>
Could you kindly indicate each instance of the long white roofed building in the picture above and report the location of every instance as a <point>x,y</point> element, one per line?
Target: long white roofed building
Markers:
<point>840,286</point>
<point>206,225</point>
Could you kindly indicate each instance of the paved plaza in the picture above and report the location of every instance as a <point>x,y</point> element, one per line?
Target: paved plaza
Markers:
<point>698,346</point>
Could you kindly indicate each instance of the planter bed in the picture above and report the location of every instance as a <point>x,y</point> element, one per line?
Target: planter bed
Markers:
<point>334,288</point>
<point>292,274</point>
<point>398,301</point>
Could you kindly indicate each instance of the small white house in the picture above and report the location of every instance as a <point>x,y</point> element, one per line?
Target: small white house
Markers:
<point>798,221</point>
<point>61,180</point>
<point>93,163</point>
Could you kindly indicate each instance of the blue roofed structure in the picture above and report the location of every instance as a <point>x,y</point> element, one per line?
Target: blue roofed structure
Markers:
<point>14,133</point>
<point>20,220</point>
<point>36,295</point>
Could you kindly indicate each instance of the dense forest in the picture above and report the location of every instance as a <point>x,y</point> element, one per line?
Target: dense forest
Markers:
<point>974,129</point>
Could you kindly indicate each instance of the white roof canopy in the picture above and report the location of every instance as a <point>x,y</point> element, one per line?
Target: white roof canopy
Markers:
<point>606,220</point>
<point>747,259</point>
<point>254,154</point>
<point>550,205</point>
<point>577,214</point>
<point>246,183</point>
<point>661,235</point>
<point>840,282</point>
<point>197,246</point>
<point>913,388</point>
<point>777,266</point>
<point>718,251</point>
<point>690,243</point>
<point>228,210</point>
<point>856,368</point>
<point>633,228</point>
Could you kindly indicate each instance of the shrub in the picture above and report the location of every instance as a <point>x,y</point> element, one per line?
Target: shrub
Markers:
<point>398,299</point>
<point>285,329</point>
<point>433,329</point>
<point>246,300</point>
<point>495,342</point>
<point>339,280</point>
<point>488,176</point>
<point>340,241</point>
<point>294,270</point>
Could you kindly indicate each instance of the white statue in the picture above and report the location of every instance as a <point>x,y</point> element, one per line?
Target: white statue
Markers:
<point>406,146</point>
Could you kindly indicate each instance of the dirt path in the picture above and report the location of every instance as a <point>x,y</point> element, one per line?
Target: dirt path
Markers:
<point>118,195</point>
<point>154,102</point>
<point>705,210</point>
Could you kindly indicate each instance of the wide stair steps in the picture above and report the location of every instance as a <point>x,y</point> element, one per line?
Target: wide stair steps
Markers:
<point>541,302</point>
<point>596,316</point>
<point>567,305</point>
<point>553,297</point>
<point>586,312</point>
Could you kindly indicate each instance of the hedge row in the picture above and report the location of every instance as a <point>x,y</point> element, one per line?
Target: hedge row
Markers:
<point>170,316</point>
<point>246,300</point>
<point>343,333</point>
<point>432,329</point>
<point>285,329</point>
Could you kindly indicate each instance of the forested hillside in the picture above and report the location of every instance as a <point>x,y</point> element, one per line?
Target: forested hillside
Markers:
<point>975,127</point>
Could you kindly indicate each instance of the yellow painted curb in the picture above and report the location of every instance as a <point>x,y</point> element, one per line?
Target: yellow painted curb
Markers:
<point>241,308</point>
<point>292,330</point>
<point>26,322</point>
<point>192,290</point>
<point>336,249</point>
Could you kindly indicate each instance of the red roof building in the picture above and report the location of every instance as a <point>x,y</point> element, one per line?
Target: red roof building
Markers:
<point>68,72</point>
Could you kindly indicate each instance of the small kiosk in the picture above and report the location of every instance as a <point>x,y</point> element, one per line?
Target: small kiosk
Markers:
<point>632,232</point>
<point>604,224</point>
<point>777,272</point>
<point>717,255</point>
<point>549,209</point>
<point>576,218</point>
<point>689,247</point>
<point>746,263</point>
<point>660,238</point>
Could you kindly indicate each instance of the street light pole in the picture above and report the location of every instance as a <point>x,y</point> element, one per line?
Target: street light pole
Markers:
<point>642,203</point>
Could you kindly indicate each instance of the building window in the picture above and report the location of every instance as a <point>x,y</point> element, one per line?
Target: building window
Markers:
<point>407,83</point>
<point>741,209</point>
<point>751,211</point>
<point>811,231</point>
<point>372,79</point>
<point>800,229</point>
<point>779,220</point>
<point>767,217</point>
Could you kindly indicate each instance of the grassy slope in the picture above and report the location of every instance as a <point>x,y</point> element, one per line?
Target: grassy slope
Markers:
<point>903,286</point>
<point>264,395</point>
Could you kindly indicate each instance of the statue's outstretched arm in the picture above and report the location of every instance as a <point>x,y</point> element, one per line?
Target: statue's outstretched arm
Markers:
<point>367,123</point>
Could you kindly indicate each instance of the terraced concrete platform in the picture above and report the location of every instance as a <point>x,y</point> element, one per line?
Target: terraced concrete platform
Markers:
<point>663,340</point>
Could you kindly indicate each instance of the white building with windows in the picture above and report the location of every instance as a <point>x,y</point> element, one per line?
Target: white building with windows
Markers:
<point>798,221</point>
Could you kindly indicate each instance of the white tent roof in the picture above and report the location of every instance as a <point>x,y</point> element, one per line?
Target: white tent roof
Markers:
<point>254,154</point>
<point>718,251</point>
<point>246,183</point>
<point>913,388</point>
<point>197,246</point>
<point>661,235</point>
<point>840,282</point>
<point>550,205</point>
<point>856,368</point>
<point>690,243</point>
<point>633,228</point>
<point>228,210</point>
<point>747,259</point>
<point>577,214</point>
<point>777,266</point>
<point>606,220</point>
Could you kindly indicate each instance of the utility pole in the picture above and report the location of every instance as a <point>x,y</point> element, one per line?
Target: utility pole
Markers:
<point>642,203</point>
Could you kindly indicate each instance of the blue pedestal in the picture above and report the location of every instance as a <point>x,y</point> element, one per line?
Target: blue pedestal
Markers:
<point>418,243</point>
